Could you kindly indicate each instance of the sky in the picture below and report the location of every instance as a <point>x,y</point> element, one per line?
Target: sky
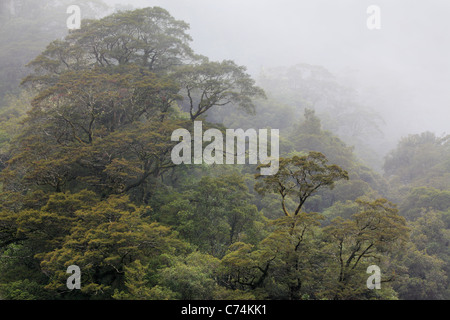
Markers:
<point>402,69</point>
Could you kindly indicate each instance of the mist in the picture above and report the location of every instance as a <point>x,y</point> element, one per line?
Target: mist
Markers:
<point>402,70</point>
<point>139,161</point>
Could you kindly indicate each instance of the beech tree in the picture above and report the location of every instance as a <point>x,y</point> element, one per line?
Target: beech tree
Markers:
<point>299,178</point>
<point>375,230</point>
<point>287,255</point>
<point>87,179</point>
<point>216,84</point>
<point>102,241</point>
<point>150,38</point>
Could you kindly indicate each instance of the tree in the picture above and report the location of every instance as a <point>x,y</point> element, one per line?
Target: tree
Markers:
<point>421,200</point>
<point>150,38</point>
<point>299,178</point>
<point>209,84</point>
<point>138,285</point>
<point>82,102</point>
<point>425,264</point>
<point>420,159</point>
<point>281,266</point>
<point>103,240</point>
<point>42,227</point>
<point>87,177</point>
<point>244,267</point>
<point>422,276</point>
<point>101,92</point>
<point>106,123</point>
<point>214,214</point>
<point>11,117</point>
<point>126,160</point>
<point>30,231</point>
<point>192,277</point>
<point>287,255</point>
<point>375,230</point>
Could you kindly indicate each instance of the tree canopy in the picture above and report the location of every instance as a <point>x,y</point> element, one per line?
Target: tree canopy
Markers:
<point>87,179</point>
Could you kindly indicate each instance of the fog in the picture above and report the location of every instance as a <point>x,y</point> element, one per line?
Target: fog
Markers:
<point>402,70</point>
<point>96,150</point>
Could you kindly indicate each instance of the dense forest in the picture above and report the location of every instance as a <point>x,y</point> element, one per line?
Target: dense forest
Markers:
<point>86,176</point>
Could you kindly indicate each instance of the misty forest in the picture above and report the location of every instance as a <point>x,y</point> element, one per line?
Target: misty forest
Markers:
<point>86,176</point>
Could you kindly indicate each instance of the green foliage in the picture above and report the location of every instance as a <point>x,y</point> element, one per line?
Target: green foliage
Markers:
<point>299,178</point>
<point>150,38</point>
<point>214,214</point>
<point>105,239</point>
<point>421,200</point>
<point>138,285</point>
<point>191,278</point>
<point>23,290</point>
<point>86,177</point>
<point>11,116</point>
<point>423,277</point>
<point>208,84</point>
<point>420,160</point>
<point>375,230</point>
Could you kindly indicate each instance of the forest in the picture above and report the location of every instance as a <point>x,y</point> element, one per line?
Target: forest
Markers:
<point>87,179</point>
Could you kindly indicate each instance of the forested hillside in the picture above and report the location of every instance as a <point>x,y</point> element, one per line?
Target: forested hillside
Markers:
<point>86,123</point>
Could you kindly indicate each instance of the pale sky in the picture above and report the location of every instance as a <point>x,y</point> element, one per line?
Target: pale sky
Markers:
<point>404,67</point>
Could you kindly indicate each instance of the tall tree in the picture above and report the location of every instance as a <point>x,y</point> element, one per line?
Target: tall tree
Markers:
<point>209,84</point>
<point>299,178</point>
<point>375,230</point>
<point>150,38</point>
